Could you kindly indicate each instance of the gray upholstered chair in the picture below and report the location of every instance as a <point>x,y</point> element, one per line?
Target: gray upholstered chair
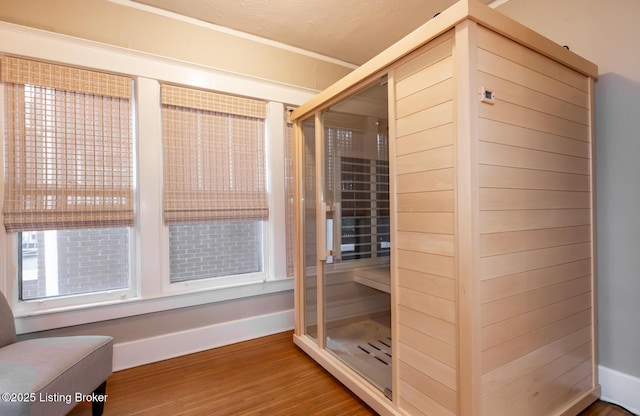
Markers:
<point>45,376</point>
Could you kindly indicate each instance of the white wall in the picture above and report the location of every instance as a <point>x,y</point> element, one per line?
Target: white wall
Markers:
<point>607,33</point>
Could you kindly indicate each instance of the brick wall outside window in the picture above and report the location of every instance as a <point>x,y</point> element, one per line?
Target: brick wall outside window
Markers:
<point>88,260</point>
<point>217,249</point>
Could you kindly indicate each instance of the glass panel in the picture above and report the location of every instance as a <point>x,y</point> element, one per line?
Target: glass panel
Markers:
<point>357,304</point>
<point>217,249</point>
<point>309,208</point>
<point>70,262</point>
<point>289,205</point>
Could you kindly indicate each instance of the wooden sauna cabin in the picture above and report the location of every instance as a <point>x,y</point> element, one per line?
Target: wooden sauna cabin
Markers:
<point>445,223</point>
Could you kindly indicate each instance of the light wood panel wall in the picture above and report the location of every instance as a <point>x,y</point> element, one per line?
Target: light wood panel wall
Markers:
<point>344,299</point>
<point>426,286</point>
<point>535,224</point>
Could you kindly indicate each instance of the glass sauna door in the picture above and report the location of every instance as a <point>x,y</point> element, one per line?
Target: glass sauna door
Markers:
<point>356,271</point>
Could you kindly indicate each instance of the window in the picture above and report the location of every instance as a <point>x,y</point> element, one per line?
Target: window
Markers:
<point>215,191</point>
<point>32,263</point>
<point>70,262</point>
<point>69,177</point>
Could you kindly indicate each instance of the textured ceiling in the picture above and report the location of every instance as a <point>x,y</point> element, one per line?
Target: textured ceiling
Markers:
<point>349,30</point>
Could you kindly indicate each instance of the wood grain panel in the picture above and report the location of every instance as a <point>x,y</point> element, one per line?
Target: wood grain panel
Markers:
<point>535,222</point>
<point>425,119</point>
<point>511,328</point>
<point>429,305</point>
<point>510,398</point>
<point>438,136</point>
<point>556,393</point>
<point>561,390</point>
<point>513,284</point>
<point>509,113</point>
<point>425,289</point>
<point>428,325</point>
<point>512,349</point>
<point>499,45</point>
<point>514,178</point>
<point>504,133</point>
<point>337,294</point>
<point>429,386</point>
<point>435,51</point>
<point>500,377</point>
<point>441,244</point>
<point>515,241</point>
<point>433,180</point>
<point>507,69</point>
<point>426,98</point>
<point>339,297</point>
<point>505,221</point>
<point>426,222</point>
<point>519,95</point>
<point>428,345</point>
<point>437,286</point>
<point>427,77</point>
<point>406,405</point>
<point>416,403</point>
<point>434,368</point>
<point>427,160</point>
<point>426,263</point>
<point>507,308</point>
<point>518,157</point>
<point>437,201</point>
<point>494,199</point>
<point>507,264</point>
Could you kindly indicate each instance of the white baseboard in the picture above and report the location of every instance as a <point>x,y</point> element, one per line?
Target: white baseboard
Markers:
<point>149,350</point>
<point>620,388</point>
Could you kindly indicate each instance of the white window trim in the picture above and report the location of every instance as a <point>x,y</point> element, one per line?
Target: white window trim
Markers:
<point>151,290</point>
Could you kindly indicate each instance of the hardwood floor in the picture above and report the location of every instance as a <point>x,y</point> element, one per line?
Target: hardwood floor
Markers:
<point>605,409</point>
<point>266,376</point>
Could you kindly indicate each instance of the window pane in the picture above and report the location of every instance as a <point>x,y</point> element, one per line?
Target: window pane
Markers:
<point>69,262</point>
<point>202,251</point>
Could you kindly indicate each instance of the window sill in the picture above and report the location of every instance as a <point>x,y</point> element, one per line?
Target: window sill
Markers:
<point>27,322</point>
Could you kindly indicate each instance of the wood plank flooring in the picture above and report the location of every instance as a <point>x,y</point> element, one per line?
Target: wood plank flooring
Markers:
<point>265,376</point>
<point>600,408</point>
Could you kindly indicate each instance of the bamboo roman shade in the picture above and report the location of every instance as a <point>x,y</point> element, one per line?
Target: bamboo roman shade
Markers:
<point>68,147</point>
<point>214,157</point>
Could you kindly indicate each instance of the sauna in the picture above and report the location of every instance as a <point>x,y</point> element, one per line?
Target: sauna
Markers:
<point>445,232</point>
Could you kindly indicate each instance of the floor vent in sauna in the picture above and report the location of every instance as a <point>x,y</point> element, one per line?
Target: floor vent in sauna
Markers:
<point>379,350</point>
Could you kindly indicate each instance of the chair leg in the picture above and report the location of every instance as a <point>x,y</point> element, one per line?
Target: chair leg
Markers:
<point>97,406</point>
